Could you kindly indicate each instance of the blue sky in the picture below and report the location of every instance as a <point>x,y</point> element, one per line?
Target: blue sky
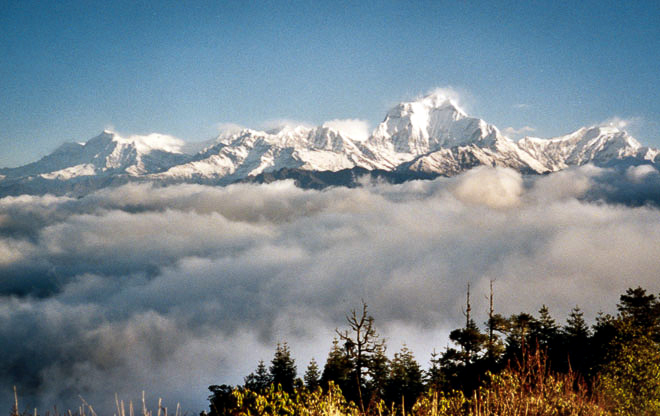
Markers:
<point>71,69</point>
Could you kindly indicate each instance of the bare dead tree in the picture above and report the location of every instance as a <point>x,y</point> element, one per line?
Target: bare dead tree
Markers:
<point>361,342</point>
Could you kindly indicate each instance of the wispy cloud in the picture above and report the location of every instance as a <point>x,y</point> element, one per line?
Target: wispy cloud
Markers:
<point>228,128</point>
<point>522,105</point>
<point>277,124</point>
<point>630,123</point>
<point>460,97</point>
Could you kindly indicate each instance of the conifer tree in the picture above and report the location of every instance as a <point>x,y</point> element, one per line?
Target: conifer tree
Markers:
<point>469,338</point>
<point>519,328</point>
<point>544,330</point>
<point>576,328</point>
<point>434,377</point>
<point>379,369</point>
<point>463,367</point>
<point>641,310</point>
<point>576,348</point>
<point>283,368</point>
<point>337,368</point>
<point>312,375</point>
<point>405,381</point>
<point>259,380</point>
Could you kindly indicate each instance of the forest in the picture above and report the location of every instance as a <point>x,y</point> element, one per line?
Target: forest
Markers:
<point>523,364</point>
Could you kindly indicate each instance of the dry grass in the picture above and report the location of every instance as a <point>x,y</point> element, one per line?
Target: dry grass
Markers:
<point>86,409</point>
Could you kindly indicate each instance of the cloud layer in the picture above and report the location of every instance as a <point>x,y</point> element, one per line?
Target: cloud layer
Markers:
<point>171,289</point>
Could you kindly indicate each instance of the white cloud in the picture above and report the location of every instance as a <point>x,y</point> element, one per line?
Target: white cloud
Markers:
<point>353,128</point>
<point>278,124</point>
<point>629,124</point>
<point>516,133</point>
<point>638,173</point>
<point>494,188</point>
<point>459,97</point>
<point>228,128</point>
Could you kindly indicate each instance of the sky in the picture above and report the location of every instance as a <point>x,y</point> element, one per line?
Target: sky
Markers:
<point>70,69</point>
<point>172,289</point>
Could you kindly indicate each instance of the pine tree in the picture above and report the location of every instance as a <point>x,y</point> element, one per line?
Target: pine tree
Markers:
<point>469,338</point>
<point>337,368</point>
<point>544,330</point>
<point>283,368</point>
<point>405,382</point>
<point>260,380</point>
<point>379,369</point>
<point>641,310</point>
<point>222,400</point>
<point>576,348</point>
<point>463,367</point>
<point>518,339</point>
<point>312,375</point>
<point>576,328</point>
<point>434,377</point>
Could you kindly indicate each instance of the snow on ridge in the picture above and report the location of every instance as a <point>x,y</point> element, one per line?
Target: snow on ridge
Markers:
<point>85,169</point>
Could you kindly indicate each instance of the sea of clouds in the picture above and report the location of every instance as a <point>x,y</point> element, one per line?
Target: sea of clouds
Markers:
<point>172,289</point>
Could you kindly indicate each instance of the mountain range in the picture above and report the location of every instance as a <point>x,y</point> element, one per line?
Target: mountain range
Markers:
<point>425,138</point>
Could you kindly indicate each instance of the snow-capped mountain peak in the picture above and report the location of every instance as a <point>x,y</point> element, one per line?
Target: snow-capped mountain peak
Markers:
<point>433,122</point>
<point>597,144</point>
<point>428,136</point>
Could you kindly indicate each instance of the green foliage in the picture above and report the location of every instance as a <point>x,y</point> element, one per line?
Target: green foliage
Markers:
<point>631,376</point>
<point>276,401</point>
<point>439,403</point>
